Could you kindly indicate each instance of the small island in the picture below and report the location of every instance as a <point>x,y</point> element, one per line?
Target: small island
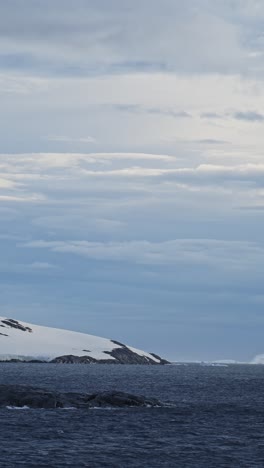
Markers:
<point>22,396</point>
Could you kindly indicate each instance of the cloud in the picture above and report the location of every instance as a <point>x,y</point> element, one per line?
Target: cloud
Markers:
<point>110,37</point>
<point>31,198</point>
<point>211,115</point>
<point>28,268</point>
<point>66,139</point>
<point>41,266</point>
<point>211,141</point>
<point>253,208</point>
<point>135,109</point>
<point>246,116</point>
<point>249,116</point>
<point>148,226</point>
<point>40,163</point>
<point>68,178</point>
<point>5,183</point>
<point>125,156</point>
<point>17,84</point>
<point>215,253</point>
<point>202,175</point>
<point>68,221</point>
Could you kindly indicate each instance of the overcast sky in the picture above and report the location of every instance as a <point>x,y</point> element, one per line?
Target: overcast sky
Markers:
<point>132,171</point>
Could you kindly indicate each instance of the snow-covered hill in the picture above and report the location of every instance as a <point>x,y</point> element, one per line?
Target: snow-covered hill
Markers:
<point>25,342</point>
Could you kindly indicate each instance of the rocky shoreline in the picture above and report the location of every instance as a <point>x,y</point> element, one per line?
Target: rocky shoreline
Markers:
<point>21,396</point>
<point>121,355</point>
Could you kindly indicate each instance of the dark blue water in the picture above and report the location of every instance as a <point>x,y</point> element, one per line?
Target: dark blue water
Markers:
<point>217,420</point>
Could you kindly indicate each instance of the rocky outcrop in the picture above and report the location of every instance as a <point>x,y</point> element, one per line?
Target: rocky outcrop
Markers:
<point>162,361</point>
<point>23,396</point>
<point>120,399</point>
<point>122,355</point>
<point>70,359</point>
<point>15,324</point>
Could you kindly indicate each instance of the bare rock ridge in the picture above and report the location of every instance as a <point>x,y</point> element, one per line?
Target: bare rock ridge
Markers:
<point>122,355</point>
<point>15,324</point>
<point>22,342</point>
<point>21,396</point>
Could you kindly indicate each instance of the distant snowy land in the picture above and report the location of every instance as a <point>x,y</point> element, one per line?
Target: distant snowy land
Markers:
<point>259,359</point>
<point>24,342</point>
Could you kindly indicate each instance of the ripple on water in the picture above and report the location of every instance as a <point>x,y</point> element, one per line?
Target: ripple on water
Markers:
<point>217,419</point>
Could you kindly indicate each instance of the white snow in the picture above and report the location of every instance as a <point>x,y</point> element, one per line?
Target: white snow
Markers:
<point>45,343</point>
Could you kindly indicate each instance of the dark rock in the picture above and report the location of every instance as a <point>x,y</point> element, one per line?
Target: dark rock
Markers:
<point>162,361</point>
<point>20,396</point>
<point>70,359</point>
<point>15,324</point>
<point>120,399</point>
<point>121,355</point>
<point>118,343</point>
<point>124,355</point>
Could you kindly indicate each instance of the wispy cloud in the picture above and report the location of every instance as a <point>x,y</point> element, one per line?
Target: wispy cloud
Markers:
<point>211,115</point>
<point>67,139</point>
<point>246,116</point>
<point>135,109</point>
<point>211,141</point>
<point>249,116</point>
<point>92,39</point>
<point>211,252</point>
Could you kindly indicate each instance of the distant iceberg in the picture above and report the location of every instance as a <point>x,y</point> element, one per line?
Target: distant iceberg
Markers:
<point>259,359</point>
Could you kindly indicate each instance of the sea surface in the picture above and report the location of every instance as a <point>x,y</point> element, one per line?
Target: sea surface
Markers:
<point>217,419</point>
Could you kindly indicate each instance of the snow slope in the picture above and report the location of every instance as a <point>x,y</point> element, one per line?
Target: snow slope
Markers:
<point>23,341</point>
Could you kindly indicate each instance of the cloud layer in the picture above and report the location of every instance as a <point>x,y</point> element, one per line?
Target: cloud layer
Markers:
<point>131,171</point>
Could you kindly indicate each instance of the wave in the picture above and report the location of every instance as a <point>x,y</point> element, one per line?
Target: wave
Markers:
<point>18,407</point>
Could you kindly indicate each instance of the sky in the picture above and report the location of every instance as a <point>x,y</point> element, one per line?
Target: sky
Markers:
<point>132,171</point>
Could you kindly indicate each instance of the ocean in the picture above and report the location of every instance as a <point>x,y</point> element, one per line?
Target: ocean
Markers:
<point>217,418</point>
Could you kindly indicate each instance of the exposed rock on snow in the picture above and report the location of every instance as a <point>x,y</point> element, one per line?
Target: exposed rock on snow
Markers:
<point>24,342</point>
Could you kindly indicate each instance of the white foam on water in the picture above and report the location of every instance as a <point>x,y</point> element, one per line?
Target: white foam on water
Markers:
<point>68,408</point>
<point>18,407</point>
